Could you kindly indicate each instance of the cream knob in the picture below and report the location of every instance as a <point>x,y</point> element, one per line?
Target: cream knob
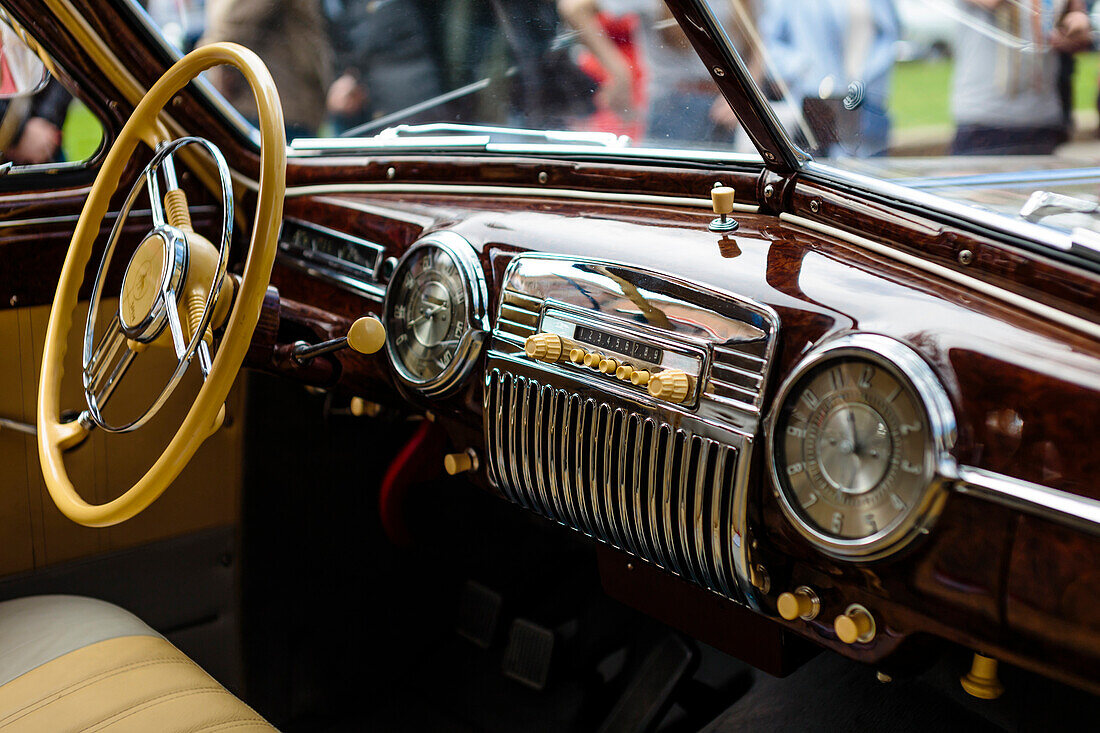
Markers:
<point>608,366</point>
<point>544,347</point>
<point>456,463</point>
<point>855,625</point>
<point>981,681</point>
<point>624,372</point>
<point>367,335</point>
<point>639,377</point>
<point>802,603</point>
<point>592,359</point>
<point>577,355</point>
<point>671,385</point>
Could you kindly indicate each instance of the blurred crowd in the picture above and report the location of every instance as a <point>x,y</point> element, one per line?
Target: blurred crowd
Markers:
<point>625,66</point>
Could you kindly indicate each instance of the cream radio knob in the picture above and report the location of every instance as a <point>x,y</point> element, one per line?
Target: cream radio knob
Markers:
<point>671,385</point>
<point>544,347</point>
<point>577,354</point>
<point>608,366</point>
<point>639,377</point>
<point>624,372</point>
<point>592,360</point>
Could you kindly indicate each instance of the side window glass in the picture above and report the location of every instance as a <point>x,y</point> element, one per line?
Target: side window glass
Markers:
<point>41,125</point>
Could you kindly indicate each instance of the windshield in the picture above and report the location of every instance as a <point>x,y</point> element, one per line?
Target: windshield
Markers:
<point>991,102</point>
<point>619,73</point>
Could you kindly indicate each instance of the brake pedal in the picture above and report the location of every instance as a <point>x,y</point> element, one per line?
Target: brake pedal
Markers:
<point>527,657</point>
<point>478,613</point>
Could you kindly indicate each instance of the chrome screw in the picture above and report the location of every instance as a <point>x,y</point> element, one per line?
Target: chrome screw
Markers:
<point>966,257</point>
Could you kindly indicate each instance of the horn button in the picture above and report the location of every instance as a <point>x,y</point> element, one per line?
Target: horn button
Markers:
<point>156,269</point>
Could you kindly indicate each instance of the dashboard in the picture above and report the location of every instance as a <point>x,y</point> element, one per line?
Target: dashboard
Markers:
<point>772,421</point>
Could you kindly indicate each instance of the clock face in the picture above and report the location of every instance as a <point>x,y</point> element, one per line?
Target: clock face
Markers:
<point>852,450</point>
<point>426,317</point>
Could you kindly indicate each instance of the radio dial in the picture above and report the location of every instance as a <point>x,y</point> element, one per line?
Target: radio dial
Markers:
<point>671,385</point>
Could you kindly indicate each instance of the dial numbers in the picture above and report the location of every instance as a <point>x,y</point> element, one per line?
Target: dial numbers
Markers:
<point>856,434</point>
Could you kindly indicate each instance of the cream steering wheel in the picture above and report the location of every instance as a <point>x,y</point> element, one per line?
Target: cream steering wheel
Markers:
<point>179,310</point>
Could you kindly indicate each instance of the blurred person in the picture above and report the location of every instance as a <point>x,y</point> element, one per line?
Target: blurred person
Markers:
<point>1005,95</point>
<point>384,54</point>
<point>682,101</point>
<point>825,51</point>
<point>290,36</point>
<point>30,127</point>
<point>181,21</point>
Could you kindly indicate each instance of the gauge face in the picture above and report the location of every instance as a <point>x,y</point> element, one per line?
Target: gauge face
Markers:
<point>426,312</point>
<point>852,450</point>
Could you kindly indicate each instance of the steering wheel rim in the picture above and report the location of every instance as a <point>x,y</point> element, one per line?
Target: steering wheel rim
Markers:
<point>54,435</point>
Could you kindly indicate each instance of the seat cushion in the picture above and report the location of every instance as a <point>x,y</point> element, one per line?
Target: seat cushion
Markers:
<point>90,666</point>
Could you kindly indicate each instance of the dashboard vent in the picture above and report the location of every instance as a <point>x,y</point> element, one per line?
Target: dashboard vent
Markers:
<point>737,374</point>
<point>659,492</point>
<point>518,317</point>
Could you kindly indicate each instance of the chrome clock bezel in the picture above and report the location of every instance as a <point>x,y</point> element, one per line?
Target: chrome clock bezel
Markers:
<point>477,316</point>
<point>910,369</point>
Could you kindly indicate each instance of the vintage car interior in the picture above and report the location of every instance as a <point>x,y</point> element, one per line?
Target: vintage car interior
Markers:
<point>475,429</point>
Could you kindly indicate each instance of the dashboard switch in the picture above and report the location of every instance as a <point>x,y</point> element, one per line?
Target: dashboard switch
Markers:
<point>609,366</point>
<point>803,603</point>
<point>855,626</point>
<point>545,347</point>
<point>671,385</point>
<point>456,463</point>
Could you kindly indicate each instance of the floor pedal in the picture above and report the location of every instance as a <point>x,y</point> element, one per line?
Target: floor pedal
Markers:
<point>650,691</point>
<point>478,613</point>
<point>528,655</point>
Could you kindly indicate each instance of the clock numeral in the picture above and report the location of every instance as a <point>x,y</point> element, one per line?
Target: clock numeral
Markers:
<point>837,378</point>
<point>795,468</point>
<point>810,501</point>
<point>811,400</point>
<point>910,467</point>
<point>399,312</point>
<point>838,522</point>
<point>866,376</point>
<point>869,519</point>
<point>796,432</point>
<point>894,395</point>
<point>401,338</point>
<point>910,428</point>
<point>897,502</point>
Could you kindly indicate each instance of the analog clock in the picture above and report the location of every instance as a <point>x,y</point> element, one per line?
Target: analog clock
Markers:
<point>435,311</point>
<point>858,446</point>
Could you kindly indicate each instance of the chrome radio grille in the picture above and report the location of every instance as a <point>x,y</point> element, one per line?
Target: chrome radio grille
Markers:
<point>660,492</point>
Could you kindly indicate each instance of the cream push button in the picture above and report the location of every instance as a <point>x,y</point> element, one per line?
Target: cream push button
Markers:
<point>671,385</point>
<point>577,355</point>
<point>855,626</point>
<point>803,603</point>
<point>623,372</point>
<point>608,366</point>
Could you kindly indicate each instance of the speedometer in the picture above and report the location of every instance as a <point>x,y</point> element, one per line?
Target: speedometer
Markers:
<point>859,446</point>
<point>435,313</point>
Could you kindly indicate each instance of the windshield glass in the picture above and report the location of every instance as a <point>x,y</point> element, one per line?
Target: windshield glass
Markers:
<point>991,102</point>
<point>619,72</point>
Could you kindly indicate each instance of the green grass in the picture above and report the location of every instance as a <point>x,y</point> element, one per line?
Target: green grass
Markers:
<point>921,91</point>
<point>81,133</point>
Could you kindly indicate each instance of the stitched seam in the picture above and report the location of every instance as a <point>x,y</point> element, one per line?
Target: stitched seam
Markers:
<point>232,724</point>
<point>150,702</point>
<point>57,694</point>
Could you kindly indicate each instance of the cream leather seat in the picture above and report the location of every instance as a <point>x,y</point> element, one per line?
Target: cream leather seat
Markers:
<point>77,664</point>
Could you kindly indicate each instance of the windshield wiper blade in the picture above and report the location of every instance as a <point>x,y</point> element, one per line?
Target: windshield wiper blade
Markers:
<point>1042,204</point>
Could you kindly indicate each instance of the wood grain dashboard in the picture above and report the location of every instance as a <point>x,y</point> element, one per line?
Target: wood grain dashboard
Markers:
<point>1024,391</point>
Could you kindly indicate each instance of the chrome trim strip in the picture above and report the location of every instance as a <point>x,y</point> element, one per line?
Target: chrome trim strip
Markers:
<point>655,484</point>
<point>513,443</point>
<point>1041,310</point>
<point>667,505</point>
<point>631,428</point>
<point>538,435</point>
<point>373,291</point>
<point>460,189</point>
<point>552,453</point>
<point>611,474</point>
<point>699,520</point>
<point>599,472</point>
<point>718,528</point>
<point>1061,507</point>
<point>570,426</point>
<point>647,427</point>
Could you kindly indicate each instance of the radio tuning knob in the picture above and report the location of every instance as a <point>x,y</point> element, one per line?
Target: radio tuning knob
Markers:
<point>544,347</point>
<point>671,385</point>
